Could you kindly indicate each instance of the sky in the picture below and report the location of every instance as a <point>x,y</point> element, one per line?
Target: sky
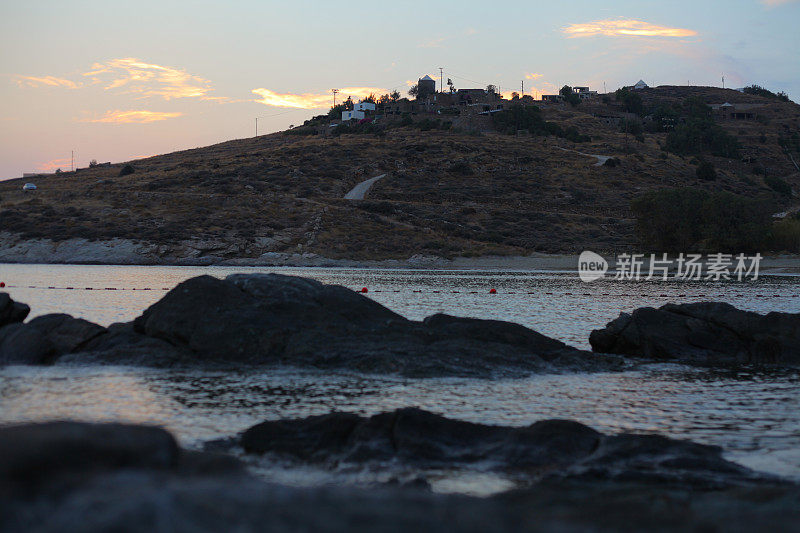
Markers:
<point>114,81</point>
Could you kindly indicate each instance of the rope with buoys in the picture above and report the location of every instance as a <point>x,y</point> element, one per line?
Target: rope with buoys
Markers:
<point>493,291</point>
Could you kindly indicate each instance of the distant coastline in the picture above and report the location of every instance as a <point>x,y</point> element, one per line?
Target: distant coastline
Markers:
<point>127,252</point>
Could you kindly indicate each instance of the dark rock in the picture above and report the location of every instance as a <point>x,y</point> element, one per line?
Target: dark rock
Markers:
<point>11,312</point>
<point>709,333</point>
<point>65,332</point>
<point>120,344</point>
<point>112,477</point>
<point>271,318</point>
<point>550,448</point>
<point>43,339</point>
<point>37,454</point>
<point>24,344</point>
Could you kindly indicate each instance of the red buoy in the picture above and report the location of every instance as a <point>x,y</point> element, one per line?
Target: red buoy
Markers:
<point>2,284</point>
<point>493,291</point>
<point>364,290</point>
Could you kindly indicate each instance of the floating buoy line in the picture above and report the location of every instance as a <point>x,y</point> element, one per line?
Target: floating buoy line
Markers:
<point>492,291</point>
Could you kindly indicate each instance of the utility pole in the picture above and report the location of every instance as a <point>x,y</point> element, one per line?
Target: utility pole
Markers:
<point>604,88</point>
<point>441,80</point>
<point>334,91</point>
<point>723,81</point>
<point>521,88</point>
<point>256,126</point>
<point>72,162</point>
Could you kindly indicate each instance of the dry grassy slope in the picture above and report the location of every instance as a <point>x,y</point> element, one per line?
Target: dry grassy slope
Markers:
<point>446,194</point>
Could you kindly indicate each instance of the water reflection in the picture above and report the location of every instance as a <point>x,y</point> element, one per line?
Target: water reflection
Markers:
<point>755,417</point>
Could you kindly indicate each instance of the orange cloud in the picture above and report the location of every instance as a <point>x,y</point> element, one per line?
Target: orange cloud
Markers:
<point>133,117</point>
<point>52,81</point>
<point>148,79</point>
<point>533,76</point>
<point>312,100</point>
<point>774,3</point>
<point>131,76</point>
<point>624,28</point>
<point>52,165</point>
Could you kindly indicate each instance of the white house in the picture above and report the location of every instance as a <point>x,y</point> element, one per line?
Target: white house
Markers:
<point>641,85</point>
<point>364,106</point>
<point>350,115</point>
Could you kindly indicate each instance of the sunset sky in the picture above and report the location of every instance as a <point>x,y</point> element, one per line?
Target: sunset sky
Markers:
<point>122,80</point>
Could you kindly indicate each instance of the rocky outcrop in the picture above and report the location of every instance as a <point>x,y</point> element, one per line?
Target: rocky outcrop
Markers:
<point>708,333</point>
<point>270,318</point>
<point>286,320</point>
<point>11,312</point>
<point>549,449</point>
<point>44,338</point>
<point>71,476</point>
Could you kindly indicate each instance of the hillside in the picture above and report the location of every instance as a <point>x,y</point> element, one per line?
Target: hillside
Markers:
<point>466,191</point>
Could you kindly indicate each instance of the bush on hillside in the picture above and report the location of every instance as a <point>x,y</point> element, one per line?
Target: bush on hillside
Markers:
<point>706,172</point>
<point>761,91</point>
<point>786,235</point>
<point>778,185</point>
<point>694,220</point>
<point>631,101</point>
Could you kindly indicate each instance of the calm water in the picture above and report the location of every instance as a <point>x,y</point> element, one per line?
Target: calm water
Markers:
<point>755,417</point>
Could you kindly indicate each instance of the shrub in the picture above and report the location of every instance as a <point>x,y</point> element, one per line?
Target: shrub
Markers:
<point>573,135</point>
<point>786,235</point>
<point>699,133</point>
<point>631,101</point>
<point>691,220</point>
<point>761,91</point>
<point>302,130</point>
<point>570,96</point>
<point>778,185</point>
<point>127,169</point>
<point>706,172</point>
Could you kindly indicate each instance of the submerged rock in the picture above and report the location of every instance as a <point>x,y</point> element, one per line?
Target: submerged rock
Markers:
<point>710,333</point>
<point>549,449</point>
<point>276,319</point>
<point>72,476</point>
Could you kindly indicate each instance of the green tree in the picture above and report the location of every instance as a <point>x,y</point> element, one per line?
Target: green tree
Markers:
<point>570,96</point>
<point>631,102</point>
<point>766,93</point>
<point>694,220</point>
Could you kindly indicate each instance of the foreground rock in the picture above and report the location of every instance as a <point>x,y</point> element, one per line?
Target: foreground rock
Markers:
<point>547,449</point>
<point>114,477</point>
<point>708,333</point>
<point>11,312</point>
<point>276,319</point>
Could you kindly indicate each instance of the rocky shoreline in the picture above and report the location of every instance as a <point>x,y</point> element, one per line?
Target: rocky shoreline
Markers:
<point>14,249</point>
<point>62,476</point>
<point>274,319</point>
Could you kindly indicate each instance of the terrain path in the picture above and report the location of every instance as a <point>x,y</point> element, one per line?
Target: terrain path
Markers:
<point>601,159</point>
<point>358,192</point>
